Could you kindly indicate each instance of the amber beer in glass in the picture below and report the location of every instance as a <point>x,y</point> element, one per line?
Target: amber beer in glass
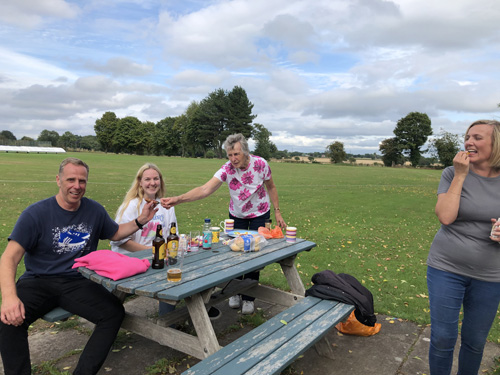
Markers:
<point>174,274</point>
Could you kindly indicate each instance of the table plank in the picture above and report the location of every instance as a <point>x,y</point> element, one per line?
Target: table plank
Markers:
<point>225,271</point>
<point>149,284</point>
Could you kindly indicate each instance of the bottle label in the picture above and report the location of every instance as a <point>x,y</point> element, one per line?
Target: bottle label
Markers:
<point>163,253</point>
<point>207,239</point>
<point>172,248</point>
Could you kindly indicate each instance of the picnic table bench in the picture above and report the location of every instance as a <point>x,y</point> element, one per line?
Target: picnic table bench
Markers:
<point>271,347</point>
<point>57,314</point>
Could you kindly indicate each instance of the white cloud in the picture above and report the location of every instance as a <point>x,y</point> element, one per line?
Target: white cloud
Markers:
<point>316,71</point>
<point>32,13</point>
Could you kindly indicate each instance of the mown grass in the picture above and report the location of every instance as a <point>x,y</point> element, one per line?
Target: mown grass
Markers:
<point>374,223</point>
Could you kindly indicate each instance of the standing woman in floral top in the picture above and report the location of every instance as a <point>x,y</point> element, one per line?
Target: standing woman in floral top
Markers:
<point>251,189</point>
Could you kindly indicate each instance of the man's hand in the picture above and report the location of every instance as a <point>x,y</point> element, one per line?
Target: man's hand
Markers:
<point>12,311</point>
<point>148,212</point>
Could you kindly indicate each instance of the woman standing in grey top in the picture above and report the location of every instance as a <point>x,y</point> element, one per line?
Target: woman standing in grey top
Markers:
<point>464,259</point>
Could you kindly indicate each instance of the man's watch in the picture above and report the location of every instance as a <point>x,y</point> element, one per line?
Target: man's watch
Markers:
<point>139,224</point>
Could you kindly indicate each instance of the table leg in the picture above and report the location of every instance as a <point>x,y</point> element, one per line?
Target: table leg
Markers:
<point>202,324</point>
<point>292,275</point>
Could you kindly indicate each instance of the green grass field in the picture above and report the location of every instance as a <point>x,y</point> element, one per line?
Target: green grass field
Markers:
<point>376,224</point>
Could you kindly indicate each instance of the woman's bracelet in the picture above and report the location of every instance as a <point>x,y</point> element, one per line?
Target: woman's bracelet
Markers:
<point>277,209</point>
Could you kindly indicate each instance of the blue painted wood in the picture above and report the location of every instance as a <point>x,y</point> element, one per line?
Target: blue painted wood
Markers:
<point>57,314</point>
<point>229,270</point>
<point>271,347</point>
<point>198,265</point>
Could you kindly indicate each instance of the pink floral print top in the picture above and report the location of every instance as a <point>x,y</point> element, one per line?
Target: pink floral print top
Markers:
<point>249,197</point>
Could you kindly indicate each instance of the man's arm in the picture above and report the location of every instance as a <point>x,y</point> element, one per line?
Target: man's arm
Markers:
<point>195,194</point>
<point>126,229</point>
<point>12,310</point>
<point>273,196</point>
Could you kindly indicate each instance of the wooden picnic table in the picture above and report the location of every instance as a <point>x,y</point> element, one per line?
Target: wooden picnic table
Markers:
<point>207,278</point>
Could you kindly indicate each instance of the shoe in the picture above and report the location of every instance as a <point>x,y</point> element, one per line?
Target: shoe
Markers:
<point>248,308</point>
<point>214,313</point>
<point>235,302</point>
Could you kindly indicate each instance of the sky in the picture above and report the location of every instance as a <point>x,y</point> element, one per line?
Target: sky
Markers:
<point>317,71</point>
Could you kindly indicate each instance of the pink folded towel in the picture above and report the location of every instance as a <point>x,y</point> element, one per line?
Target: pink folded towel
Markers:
<point>116,266</point>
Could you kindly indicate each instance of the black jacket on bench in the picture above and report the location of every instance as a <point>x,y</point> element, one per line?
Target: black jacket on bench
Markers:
<point>344,288</point>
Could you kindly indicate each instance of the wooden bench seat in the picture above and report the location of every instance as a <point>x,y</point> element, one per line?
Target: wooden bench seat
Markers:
<point>57,314</point>
<point>271,347</point>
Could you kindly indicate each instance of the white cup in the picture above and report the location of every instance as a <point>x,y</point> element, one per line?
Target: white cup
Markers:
<point>228,225</point>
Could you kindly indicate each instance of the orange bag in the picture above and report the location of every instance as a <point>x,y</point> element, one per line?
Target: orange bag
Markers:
<point>353,327</point>
<point>264,232</point>
<point>273,233</point>
<point>277,233</point>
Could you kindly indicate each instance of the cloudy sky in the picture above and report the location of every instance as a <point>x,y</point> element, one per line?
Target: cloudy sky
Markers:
<point>316,71</point>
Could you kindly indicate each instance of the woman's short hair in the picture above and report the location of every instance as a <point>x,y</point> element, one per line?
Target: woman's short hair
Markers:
<point>495,140</point>
<point>136,190</point>
<point>235,138</point>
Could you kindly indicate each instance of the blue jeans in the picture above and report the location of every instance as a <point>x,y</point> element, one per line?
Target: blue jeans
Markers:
<point>448,292</point>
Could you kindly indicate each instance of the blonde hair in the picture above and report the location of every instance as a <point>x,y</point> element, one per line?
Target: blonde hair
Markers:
<point>136,191</point>
<point>495,141</point>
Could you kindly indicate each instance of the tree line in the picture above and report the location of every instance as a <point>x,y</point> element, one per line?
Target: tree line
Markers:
<point>201,130</point>
<point>410,134</point>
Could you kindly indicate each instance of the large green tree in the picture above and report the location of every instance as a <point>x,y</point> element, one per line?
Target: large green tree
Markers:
<point>89,142</point>
<point>167,139</point>
<point>125,136</point>
<point>240,113</point>
<point>105,128</point>
<point>211,120</point>
<point>49,136</point>
<point>412,132</point>
<point>391,152</point>
<point>264,147</point>
<point>7,135</point>
<point>446,147</point>
<point>144,138</point>
<point>220,114</point>
<point>69,140</point>
<point>336,152</point>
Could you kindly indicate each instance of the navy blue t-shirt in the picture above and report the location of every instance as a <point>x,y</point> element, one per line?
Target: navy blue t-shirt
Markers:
<point>54,237</point>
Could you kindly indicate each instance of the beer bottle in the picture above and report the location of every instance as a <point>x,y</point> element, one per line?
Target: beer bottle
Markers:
<point>158,249</point>
<point>172,244</point>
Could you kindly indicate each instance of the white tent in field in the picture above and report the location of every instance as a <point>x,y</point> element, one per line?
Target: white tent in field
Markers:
<point>33,149</point>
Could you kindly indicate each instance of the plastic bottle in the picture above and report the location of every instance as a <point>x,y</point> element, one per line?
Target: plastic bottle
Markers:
<point>183,245</point>
<point>207,235</point>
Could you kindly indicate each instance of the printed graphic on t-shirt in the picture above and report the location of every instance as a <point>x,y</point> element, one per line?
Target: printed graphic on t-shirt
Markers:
<point>70,239</point>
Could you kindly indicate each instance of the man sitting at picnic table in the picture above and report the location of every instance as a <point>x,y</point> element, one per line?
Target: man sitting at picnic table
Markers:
<point>50,234</point>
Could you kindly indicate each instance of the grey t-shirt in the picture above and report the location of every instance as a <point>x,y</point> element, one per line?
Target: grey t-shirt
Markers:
<point>464,247</point>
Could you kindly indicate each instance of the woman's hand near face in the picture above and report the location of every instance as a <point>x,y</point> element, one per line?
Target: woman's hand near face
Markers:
<point>461,163</point>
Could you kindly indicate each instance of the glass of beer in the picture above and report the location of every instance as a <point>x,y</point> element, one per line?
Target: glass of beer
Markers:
<point>174,274</point>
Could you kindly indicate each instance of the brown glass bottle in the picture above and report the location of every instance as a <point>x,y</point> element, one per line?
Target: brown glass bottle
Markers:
<point>158,249</point>
<point>172,244</point>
